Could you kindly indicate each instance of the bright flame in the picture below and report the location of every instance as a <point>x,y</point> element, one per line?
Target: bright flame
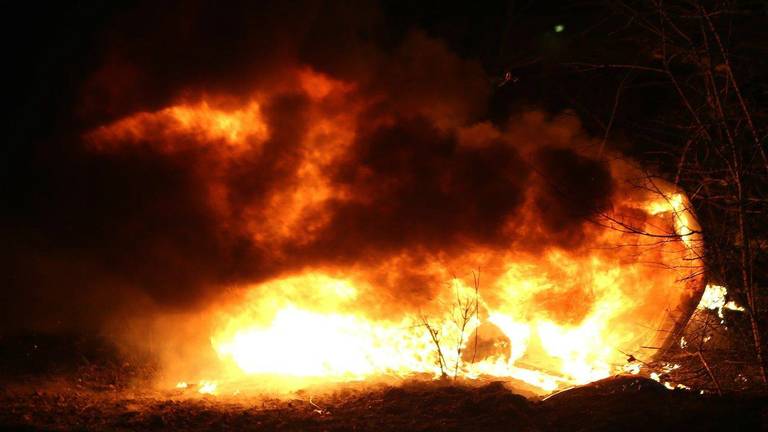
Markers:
<point>676,204</point>
<point>308,325</point>
<point>535,321</point>
<point>208,387</point>
<point>304,343</point>
<point>714,299</point>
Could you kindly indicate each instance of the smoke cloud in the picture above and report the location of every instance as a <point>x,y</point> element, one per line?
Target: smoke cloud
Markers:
<point>360,146</point>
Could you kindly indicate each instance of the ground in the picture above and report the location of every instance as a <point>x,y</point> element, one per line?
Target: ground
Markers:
<point>617,404</point>
<point>44,386</point>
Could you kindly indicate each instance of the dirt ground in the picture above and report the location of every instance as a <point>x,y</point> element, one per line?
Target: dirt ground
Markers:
<point>67,384</point>
<point>617,404</point>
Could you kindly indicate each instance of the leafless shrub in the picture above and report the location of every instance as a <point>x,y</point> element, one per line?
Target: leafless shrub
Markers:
<point>462,310</point>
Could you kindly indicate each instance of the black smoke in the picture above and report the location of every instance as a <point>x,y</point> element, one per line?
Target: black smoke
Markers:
<point>91,233</point>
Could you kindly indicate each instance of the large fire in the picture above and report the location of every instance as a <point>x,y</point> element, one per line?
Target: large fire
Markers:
<point>551,316</point>
<point>550,321</point>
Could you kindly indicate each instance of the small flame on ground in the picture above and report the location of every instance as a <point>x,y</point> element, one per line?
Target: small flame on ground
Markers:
<point>632,368</point>
<point>714,299</point>
<point>667,368</point>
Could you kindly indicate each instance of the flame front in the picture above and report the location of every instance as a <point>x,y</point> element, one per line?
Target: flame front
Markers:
<point>533,317</point>
<point>553,320</point>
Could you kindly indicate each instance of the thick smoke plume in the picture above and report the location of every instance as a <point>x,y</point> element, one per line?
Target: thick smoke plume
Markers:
<point>217,149</point>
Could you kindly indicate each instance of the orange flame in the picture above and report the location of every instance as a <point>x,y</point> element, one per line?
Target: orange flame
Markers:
<point>549,318</point>
<point>234,128</point>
